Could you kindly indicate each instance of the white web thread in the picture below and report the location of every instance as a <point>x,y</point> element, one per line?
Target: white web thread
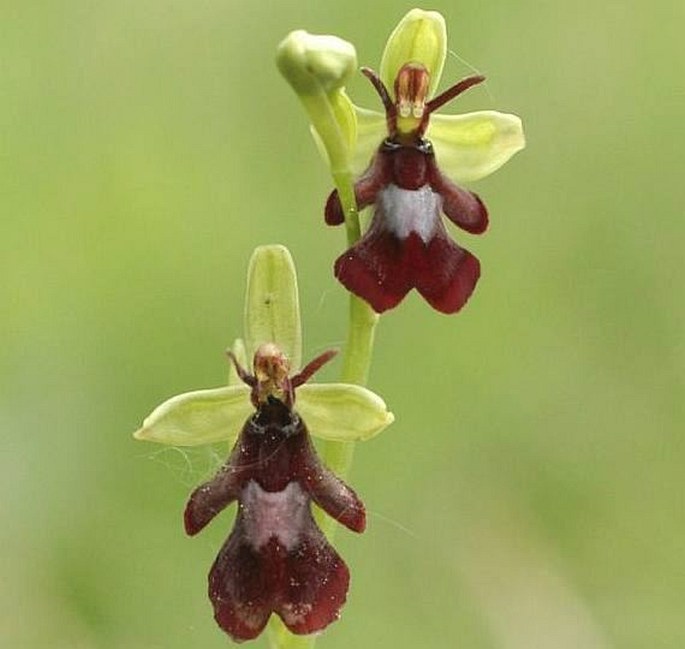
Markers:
<point>391,522</point>
<point>475,70</point>
<point>188,466</point>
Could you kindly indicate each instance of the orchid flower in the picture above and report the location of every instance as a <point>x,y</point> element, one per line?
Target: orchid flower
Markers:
<point>416,157</point>
<point>276,559</point>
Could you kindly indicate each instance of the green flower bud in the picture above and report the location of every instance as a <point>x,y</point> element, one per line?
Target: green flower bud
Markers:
<point>313,63</point>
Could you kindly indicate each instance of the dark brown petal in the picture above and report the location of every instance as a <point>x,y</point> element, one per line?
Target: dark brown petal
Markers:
<point>336,498</point>
<point>462,207</point>
<point>377,175</point>
<point>211,498</point>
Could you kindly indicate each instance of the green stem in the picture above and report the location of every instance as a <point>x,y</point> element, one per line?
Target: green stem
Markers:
<point>345,185</point>
<point>360,336</point>
<point>356,359</point>
<point>280,638</point>
<point>356,363</point>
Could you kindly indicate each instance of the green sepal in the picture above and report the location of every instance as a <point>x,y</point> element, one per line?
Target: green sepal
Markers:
<point>199,417</point>
<point>332,411</point>
<point>342,412</point>
<point>272,306</point>
<point>473,145</point>
<point>330,133</point>
<point>420,37</point>
<point>371,130</point>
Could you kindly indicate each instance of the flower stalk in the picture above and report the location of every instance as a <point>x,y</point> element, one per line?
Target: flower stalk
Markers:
<point>317,68</point>
<point>334,125</point>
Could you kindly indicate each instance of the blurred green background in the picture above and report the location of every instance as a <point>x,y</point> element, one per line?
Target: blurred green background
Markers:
<point>530,494</point>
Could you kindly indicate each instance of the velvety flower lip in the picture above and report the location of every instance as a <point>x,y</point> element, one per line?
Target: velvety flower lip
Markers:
<point>276,559</point>
<point>414,156</point>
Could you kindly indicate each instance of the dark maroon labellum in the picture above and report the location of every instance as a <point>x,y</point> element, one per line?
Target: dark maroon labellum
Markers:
<point>406,245</point>
<point>276,559</point>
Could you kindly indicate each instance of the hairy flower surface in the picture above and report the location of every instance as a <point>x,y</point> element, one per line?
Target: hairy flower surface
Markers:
<point>409,180</point>
<point>276,559</point>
